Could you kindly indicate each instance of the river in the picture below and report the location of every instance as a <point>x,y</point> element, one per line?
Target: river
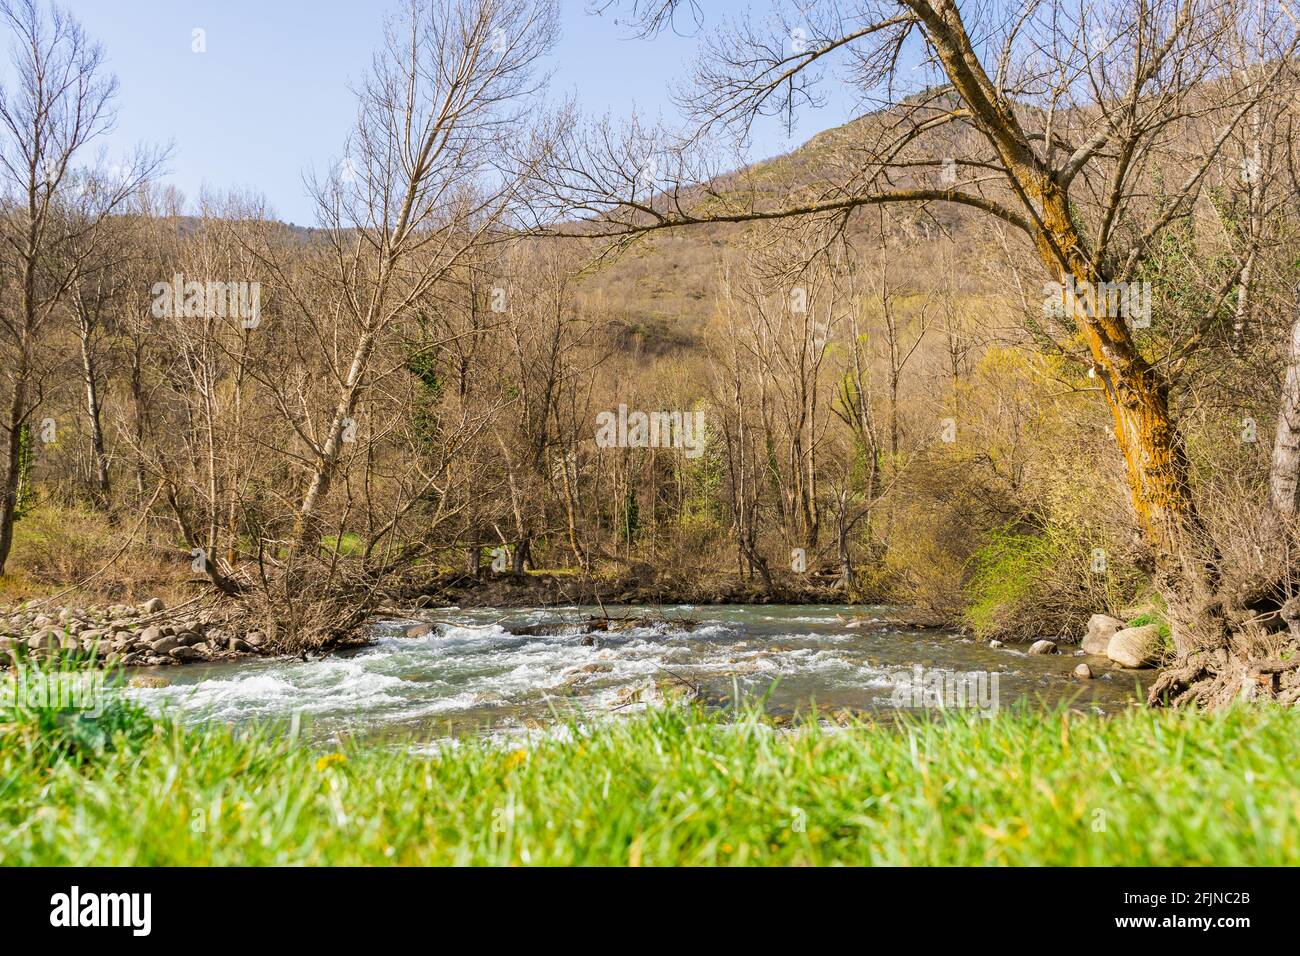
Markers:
<point>470,675</point>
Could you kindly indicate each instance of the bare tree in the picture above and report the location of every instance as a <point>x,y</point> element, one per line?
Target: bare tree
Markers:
<point>60,103</point>
<point>416,191</point>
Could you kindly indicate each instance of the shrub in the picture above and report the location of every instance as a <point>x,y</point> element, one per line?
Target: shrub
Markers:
<point>1023,585</point>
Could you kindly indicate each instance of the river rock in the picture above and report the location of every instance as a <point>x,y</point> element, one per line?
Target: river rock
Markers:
<point>186,654</point>
<point>165,645</point>
<point>241,646</point>
<point>151,635</point>
<point>996,643</point>
<point>593,668</point>
<point>1083,672</point>
<point>1135,646</point>
<point>143,681</point>
<point>153,606</point>
<point>1042,647</point>
<point>189,638</point>
<point>255,638</point>
<point>1101,628</point>
<point>46,639</point>
<point>419,630</point>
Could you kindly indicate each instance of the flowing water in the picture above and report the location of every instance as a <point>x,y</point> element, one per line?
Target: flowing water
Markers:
<point>471,675</point>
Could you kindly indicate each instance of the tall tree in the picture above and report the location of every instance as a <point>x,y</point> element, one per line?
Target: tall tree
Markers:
<point>59,102</point>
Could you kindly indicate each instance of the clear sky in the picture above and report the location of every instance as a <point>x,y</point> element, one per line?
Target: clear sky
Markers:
<point>269,98</point>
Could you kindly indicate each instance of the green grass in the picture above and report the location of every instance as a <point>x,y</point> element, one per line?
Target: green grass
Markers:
<point>669,787</point>
<point>348,543</point>
<point>1154,617</point>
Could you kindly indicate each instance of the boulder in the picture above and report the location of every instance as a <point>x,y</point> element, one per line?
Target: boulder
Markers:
<point>996,643</point>
<point>1135,646</point>
<point>186,654</point>
<point>1083,672</point>
<point>419,630</point>
<point>1042,647</point>
<point>1101,628</point>
<point>151,635</point>
<point>153,606</point>
<point>189,638</point>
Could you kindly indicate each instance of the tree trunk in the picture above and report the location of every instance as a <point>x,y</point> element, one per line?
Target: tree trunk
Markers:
<point>522,553</point>
<point>1187,563</point>
<point>842,542</point>
<point>306,526</point>
<point>16,419</point>
<point>1284,468</point>
<point>94,413</point>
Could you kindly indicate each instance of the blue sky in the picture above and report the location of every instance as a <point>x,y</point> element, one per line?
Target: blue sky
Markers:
<point>269,99</point>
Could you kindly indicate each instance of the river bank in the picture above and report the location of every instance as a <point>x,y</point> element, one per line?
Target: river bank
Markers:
<point>639,585</point>
<point>671,786</point>
<point>207,629</point>
<point>148,634</point>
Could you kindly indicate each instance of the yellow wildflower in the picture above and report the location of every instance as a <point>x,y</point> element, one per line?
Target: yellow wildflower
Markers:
<point>329,760</point>
<point>515,758</point>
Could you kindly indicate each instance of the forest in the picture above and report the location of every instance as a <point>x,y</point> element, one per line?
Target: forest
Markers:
<point>1018,345</point>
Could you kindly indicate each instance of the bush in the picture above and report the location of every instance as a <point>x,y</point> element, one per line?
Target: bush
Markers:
<point>57,545</point>
<point>1151,617</point>
<point>60,727</point>
<point>1026,585</point>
